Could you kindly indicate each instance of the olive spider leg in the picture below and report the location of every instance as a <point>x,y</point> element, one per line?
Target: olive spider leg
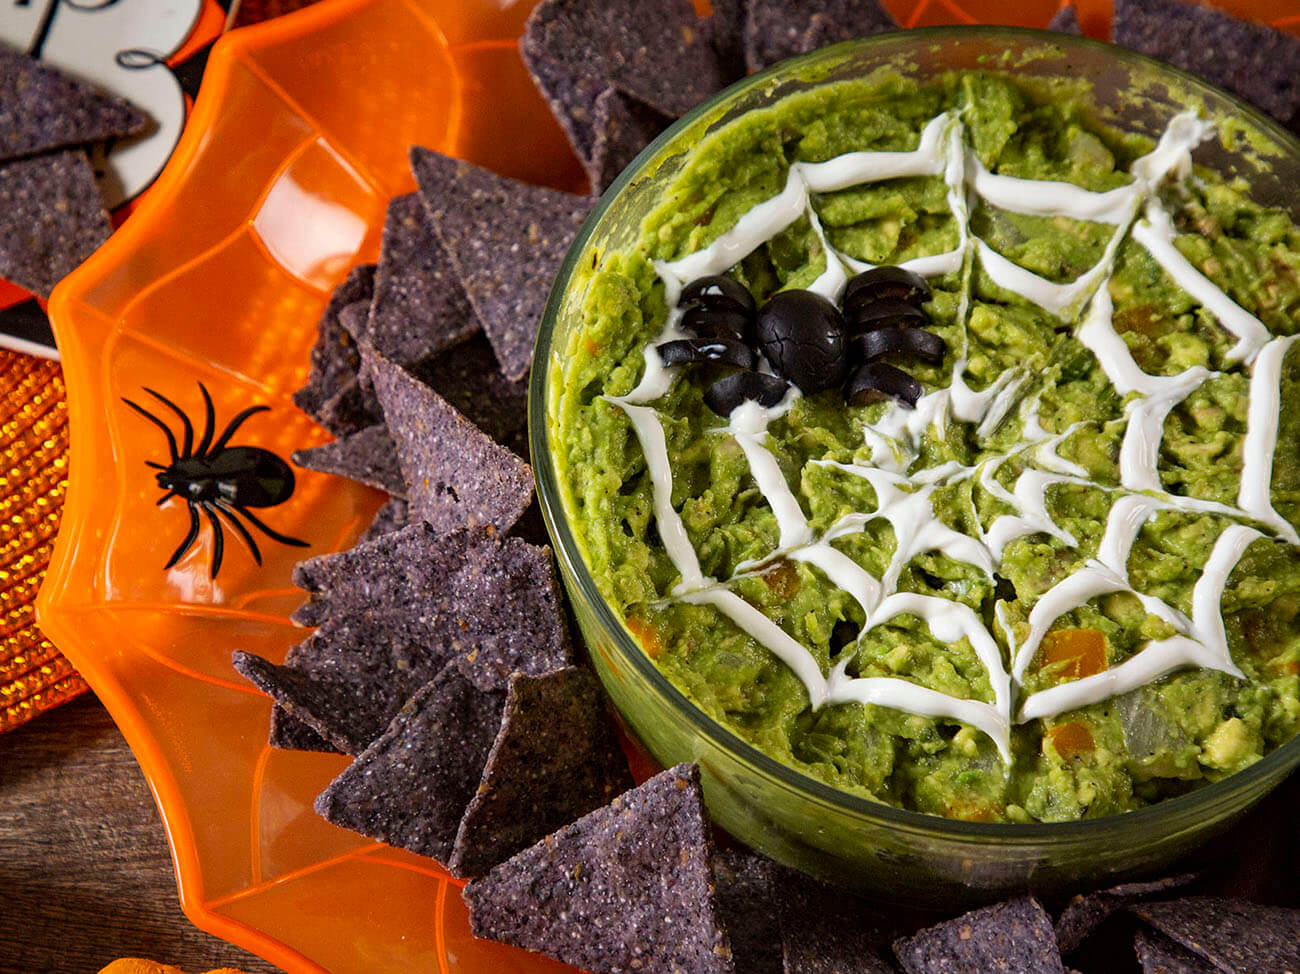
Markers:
<point>218,539</point>
<point>234,522</point>
<point>273,535</point>
<point>189,539</point>
<point>235,423</point>
<point>209,421</point>
<point>185,420</point>
<point>171,438</point>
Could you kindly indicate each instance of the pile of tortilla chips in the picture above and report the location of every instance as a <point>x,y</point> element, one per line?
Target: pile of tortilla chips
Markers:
<point>441,658</point>
<point>52,215</point>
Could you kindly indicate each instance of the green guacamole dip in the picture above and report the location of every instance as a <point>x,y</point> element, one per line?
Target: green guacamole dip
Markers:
<point>1058,414</point>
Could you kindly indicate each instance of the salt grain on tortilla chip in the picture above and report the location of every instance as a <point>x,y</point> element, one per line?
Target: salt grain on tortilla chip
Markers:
<point>455,474</point>
<point>555,758</point>
<point>626,887</point>
<point>419,307</point>
<point>657,52</point>
<point>43,109</point>
<point>367,457</point>
<point>507,240</point>
<point>1015,935</point>
<point>1234,935</point>
<point>53,218</point>
<point>1257,62</point>
<point>410,787</point>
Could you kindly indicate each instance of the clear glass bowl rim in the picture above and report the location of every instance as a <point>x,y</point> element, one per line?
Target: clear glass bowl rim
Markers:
<point>1181,810</point>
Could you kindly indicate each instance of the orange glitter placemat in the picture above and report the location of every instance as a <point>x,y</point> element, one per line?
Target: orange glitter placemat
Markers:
<point>34,445</point>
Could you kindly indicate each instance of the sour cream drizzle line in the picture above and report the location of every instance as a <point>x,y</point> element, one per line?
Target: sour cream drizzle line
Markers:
<point>1262,418</point>
<point>941,150</point>
<point>1206,644</point>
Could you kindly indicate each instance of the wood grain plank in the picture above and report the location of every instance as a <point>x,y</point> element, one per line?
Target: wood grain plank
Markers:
<point>85,872</point>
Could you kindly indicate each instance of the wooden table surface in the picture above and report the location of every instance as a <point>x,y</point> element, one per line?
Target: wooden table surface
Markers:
<point>85,873</point>
<point>86,877</point>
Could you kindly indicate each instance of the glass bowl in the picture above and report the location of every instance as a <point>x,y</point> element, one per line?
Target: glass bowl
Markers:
<point>905,856</point>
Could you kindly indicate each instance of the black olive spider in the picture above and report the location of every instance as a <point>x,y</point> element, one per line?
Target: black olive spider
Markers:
<point>223,481</point>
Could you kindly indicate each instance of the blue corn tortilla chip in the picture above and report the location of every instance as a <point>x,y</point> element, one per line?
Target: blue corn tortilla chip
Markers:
<point>455,474</point>
<point>290,733</point>
<point>406,576</point>
<point>511,614</point>
<point>778,29</point>
<point>43,109</point>
<point>747,909</point>
<point>392,517</point>
<point>315,704</point>
<point>628,887</point>
<point>1084,913</point>
<point>506,239</point>
<point>1066,21</point>
<point>409,788</point>
<point>493,603</point>
<point>332,395</point>
<point>624,125</point>
<point>367,456</point>
<point>419,308</point>
<point>1259,63</point>
<point>860,19</point>
<point>1233,935</point>
<point>381,638</point>
<point>468,377</point>
<point>724,29</point>
<point>53,218</point>
<point>656,52</point>
<point>825,930</point>
<point>353,318</point>
<point>555,758</point>
<point>1159,955</point>
<point>1015,935</point>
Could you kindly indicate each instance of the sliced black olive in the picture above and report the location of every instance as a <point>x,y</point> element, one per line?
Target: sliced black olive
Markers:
<point>907,342</point>
<point>689,351</point>
<point>802,335</point>
<point>886,282</point>
<point>721,323</point>
<point>879,380</point>
<point>728,393</point>
<point>718,293</point>
<point>885,313</point>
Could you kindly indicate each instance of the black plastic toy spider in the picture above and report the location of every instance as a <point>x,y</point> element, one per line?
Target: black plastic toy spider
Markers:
<point>222,481</point>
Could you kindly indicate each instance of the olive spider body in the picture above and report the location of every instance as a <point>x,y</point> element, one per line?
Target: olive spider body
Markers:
<point>220,481</point>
